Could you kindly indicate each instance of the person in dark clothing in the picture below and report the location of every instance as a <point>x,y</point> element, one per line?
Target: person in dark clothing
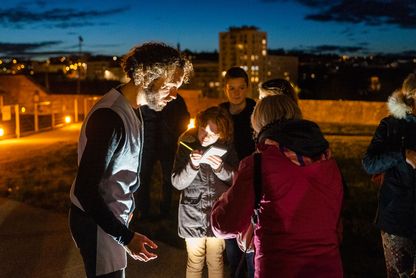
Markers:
<point>240,108</point>
<point>109,157</point>
<point>392,151</point>
<point>161,132</point>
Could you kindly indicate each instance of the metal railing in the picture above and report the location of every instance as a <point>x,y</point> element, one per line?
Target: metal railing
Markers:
<point>17,120</point>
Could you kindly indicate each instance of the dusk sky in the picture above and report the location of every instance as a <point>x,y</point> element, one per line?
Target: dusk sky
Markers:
<point>353,27</point>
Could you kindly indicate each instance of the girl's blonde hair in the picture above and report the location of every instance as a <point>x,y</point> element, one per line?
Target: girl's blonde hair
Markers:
<point>403,101</point>
<point>272,109</point>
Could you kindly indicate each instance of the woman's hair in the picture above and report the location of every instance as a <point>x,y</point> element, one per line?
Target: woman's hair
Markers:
<point>403,100</point>
<point>272,109</point>
<point>221,118</point>
<point>150,61</point>
<point>235,72</point>
<point>277,86</point>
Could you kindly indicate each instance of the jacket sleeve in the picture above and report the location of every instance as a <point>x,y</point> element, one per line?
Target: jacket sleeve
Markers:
<point>232,213</point>
<point>182,174</point>
<point>381,155</point>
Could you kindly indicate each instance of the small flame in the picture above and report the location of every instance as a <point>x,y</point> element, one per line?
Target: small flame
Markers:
<point>191,123</point>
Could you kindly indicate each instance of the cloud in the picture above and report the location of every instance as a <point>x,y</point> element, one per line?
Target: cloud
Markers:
<point>325,48</point>
<point>58,17</point>
<point>14,49</point>
<point>401,13</point>
<point>371,12</point>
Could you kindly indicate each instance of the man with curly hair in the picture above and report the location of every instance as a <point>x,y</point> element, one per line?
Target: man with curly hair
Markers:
<point>109,158</point>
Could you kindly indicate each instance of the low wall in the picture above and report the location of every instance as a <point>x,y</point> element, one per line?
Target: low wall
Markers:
<point>321,111</point>
<point>341,111</point>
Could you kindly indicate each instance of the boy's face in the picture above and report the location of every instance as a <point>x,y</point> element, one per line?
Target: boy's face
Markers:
<point>236,90</point>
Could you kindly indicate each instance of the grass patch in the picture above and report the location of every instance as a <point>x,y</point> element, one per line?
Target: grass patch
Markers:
<point>44,180</point>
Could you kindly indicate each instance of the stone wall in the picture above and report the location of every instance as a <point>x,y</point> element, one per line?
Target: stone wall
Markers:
<point>321,111</point>
<point>341,111</point>
<point>18,89</point>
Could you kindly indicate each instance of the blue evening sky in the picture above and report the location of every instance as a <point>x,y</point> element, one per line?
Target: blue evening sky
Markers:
<point>362,27</point>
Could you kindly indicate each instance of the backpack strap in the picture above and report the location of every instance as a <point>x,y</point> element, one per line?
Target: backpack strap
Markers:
<point>257,185</point>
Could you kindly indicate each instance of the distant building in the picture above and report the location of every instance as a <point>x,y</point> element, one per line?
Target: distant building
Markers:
<point>104,69</point>
<point>285,67</point>
<point>205,77</point>
<point>244,47</point>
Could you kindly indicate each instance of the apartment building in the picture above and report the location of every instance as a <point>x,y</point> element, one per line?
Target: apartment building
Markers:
<point>244,47</point>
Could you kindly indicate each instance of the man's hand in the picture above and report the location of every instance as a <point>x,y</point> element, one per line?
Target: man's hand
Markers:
<point>137,248</point>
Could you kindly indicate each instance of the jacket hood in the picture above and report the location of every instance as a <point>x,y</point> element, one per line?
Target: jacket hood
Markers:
<point>397,106</point>
<point>301,136</point>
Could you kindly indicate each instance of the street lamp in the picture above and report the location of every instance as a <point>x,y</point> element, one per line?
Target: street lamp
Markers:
<point>80,41</point>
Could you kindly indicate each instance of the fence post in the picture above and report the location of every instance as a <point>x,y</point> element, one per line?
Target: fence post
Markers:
<point>76,110</point>
<point>17,119</point>
<point>85,106</point>
<point>36,117</point>
<point>52,116</point>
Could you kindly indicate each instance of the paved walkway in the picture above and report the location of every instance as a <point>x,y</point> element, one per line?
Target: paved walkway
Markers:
<point>37,243</point>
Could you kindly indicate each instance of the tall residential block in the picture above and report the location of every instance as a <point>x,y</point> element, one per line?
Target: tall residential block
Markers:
<point>244,47</point>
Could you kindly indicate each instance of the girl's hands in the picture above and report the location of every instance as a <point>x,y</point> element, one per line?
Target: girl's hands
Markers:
<point>195,158</point>
<point>215,162</point>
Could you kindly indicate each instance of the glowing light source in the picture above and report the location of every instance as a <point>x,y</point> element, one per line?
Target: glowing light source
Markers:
<point>191,123</point>
<point>68,119</point>
<point>23,109</point>
<point>2,132</point>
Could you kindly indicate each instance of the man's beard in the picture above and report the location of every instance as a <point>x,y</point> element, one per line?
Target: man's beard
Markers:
<point>154,101</point>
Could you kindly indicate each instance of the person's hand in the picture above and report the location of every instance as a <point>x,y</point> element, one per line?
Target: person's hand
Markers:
<point>195,157</point>
<point>411,157</point>
<point>215,162</point>
<point>137,248</point>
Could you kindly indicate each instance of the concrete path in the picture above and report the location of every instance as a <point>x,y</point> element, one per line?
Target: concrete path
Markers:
<point>37,243</point>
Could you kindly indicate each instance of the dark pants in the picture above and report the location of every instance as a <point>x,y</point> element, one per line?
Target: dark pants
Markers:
<point>234,255</point>
<point>166,158</point>
<point>150,156</point>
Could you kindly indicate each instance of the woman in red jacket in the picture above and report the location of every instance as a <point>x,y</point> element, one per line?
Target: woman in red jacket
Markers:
<point>298,231</point>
